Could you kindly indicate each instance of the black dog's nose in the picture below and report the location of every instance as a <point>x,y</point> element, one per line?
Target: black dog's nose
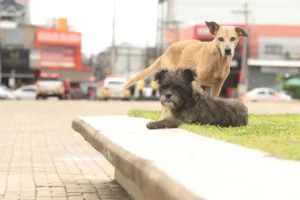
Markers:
<point>168,96</point>
<point>227,51</point>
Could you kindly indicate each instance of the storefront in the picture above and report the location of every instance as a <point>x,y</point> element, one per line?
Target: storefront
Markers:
<point>15,67</point>
<point>60,52</point>
<point>15,55</point>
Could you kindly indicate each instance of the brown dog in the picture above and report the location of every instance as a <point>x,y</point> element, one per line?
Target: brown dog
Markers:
<point>210,59</point>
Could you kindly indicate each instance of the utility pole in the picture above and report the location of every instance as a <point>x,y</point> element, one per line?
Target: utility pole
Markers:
<point>175,26</point>
<point>0,52</point>
<point>128,62</point>
<point>113,45</point>
<point>157,29</point>
<point>243,87</point>
<point>146,55</point>
<point>162,29</point>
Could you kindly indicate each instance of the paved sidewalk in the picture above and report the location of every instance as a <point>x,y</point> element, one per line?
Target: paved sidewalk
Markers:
<point>41,157</point>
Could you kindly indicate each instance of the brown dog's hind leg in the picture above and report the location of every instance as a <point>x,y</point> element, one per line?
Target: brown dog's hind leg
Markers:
<point>207,90</point>
<point>197,86</point>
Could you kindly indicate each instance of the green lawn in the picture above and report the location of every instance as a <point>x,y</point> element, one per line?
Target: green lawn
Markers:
<point>276,134</point>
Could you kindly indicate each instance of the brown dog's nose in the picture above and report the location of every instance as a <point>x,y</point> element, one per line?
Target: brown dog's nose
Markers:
<point>227,51</point>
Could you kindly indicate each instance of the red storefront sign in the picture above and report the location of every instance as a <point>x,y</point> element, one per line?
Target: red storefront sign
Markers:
<point>56,37</point>
<point>57,56</point>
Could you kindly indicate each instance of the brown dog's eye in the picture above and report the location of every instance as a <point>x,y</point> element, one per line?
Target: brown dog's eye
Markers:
<point>232,39</point>
<point>221,39</point>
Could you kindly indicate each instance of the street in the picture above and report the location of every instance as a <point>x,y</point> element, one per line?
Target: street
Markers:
<point>41,156</point>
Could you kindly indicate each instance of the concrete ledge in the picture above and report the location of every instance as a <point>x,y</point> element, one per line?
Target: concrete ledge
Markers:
<point>174,164</point>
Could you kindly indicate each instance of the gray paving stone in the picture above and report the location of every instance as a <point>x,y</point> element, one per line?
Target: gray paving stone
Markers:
<point>42,158</point>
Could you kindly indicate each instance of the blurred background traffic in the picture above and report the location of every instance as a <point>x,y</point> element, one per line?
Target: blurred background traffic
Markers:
<point>88,49</point>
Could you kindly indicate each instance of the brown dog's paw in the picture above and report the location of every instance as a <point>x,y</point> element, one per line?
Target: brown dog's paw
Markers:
<point>152,125</point>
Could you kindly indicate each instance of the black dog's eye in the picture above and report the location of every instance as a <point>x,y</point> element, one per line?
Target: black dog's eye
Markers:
<point>221,39</point>
<point>232,39</point>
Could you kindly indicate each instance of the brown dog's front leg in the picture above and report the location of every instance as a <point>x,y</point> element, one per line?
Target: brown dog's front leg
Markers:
<point>165,123</point>
<point>216,88</point>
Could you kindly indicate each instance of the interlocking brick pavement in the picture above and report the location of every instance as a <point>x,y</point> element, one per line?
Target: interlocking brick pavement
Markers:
<point>42,158</point>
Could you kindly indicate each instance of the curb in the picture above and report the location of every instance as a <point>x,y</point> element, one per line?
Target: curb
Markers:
<point>152,183</point>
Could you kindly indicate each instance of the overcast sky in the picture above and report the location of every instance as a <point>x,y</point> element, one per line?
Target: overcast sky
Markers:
<point>136,19</point>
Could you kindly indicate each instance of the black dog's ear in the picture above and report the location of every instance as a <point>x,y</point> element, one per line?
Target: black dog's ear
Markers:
<point>190,74</point>
<point>159,76</point>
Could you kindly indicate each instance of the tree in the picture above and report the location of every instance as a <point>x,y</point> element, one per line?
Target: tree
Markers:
<point>287,56</point>
<point>161,1</point>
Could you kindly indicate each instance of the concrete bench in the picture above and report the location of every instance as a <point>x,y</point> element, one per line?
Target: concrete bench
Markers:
<point>174,164</point>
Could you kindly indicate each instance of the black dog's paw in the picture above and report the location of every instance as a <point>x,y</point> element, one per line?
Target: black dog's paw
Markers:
<point>152,125</point>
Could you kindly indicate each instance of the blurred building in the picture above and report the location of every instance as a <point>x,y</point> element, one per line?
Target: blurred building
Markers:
<point>60,52</point>
<point>27,50</point>
<point>273,51</point>
<point>129,60</point>
<point>16,40</point>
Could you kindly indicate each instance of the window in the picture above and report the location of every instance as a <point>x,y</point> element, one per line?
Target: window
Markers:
<point>272,92</point>
<point>261,93</point>
<point>48,79</point>
<point>273,49</point>
<point>115,83</point>
<point>29,90</point>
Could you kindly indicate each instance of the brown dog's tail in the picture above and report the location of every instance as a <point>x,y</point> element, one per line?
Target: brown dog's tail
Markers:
<point>143,74</point>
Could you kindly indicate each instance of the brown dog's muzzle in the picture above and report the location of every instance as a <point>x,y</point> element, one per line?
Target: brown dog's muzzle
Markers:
<point>228,52</point>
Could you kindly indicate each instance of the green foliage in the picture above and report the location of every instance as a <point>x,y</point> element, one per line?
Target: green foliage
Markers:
<point>277,134</point>
<point>295,90</point>
<point>161,1</point>
<point>280,80</point>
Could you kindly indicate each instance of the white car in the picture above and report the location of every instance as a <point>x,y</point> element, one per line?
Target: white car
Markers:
<point>49,85</point>
<point>266,94</point>
<point>111,88</point>
<point>27,92</point>
<point>5,93</point>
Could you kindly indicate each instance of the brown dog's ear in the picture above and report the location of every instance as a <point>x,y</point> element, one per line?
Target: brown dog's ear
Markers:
<point>189,74</point>
<point>241,32</point>
<point>213,27</point>
<point>159,76</point>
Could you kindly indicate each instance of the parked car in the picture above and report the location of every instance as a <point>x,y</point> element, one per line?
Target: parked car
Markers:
<point>25,92</point>
<point>5,92</point>
<point>49,85</point>
<point>111,88</point>
<point>265,94</point>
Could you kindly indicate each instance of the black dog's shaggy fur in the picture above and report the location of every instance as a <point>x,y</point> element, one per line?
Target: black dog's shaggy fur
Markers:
<point>188,105</point>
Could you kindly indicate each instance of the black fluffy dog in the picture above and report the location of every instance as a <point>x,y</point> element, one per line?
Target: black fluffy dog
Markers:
<point>191,106</point>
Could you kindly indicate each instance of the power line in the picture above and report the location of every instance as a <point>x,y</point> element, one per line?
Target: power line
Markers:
<point>235,2</point>
<point>257,5</point>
